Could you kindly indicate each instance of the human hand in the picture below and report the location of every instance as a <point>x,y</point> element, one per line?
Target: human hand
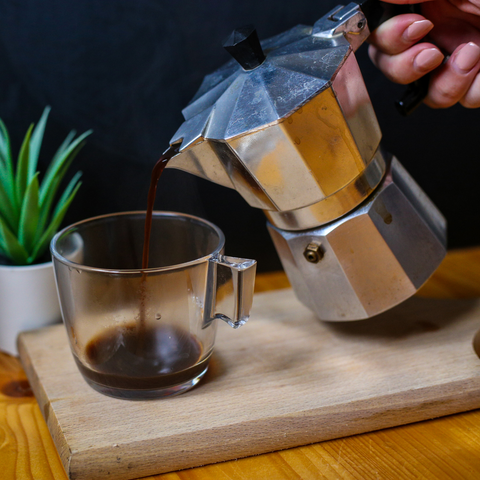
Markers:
<point>453,29</point>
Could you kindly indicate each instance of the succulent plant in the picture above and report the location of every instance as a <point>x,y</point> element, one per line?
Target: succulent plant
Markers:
<point>29,216</point>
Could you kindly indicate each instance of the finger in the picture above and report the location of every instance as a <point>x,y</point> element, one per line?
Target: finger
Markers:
<point>454,79</point>
<point>453,27</point>
<point>444,9</point>
<point>472,97</point>
<point>399,33</point>
<point>408,66</point>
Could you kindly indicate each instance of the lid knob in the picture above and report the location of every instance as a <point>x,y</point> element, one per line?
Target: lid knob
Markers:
<point>244,46</point>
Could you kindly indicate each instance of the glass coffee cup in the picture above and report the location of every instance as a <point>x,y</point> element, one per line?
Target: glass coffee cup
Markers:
<point>150,333</point>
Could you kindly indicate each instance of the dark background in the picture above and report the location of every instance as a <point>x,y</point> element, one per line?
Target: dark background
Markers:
<point>127,68</point>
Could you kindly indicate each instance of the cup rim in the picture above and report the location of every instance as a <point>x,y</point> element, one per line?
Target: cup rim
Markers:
<point>135,271</point>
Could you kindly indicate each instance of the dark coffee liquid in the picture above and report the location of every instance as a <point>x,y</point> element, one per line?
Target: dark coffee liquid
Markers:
<point>168,357</point>
<point>152,191</point>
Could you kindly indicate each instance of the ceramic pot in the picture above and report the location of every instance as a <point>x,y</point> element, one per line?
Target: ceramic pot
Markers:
<point>28,300</point>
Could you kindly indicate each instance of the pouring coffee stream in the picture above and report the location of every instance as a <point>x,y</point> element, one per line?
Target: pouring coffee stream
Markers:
<point>157,171</point>
<point>152,191</point>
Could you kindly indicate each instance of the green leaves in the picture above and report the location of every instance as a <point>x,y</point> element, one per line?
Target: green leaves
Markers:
<point>27,222</point>
<point>58,215</point>
<point>55,169</point>
<point>6,164</point>
<point>7,207</point>
<point>11,246</point>
<point>21,178</point>
<point>29,215</point>
<point>36,143</point>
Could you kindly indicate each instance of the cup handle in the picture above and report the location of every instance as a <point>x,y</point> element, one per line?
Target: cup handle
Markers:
<point>234,292</point>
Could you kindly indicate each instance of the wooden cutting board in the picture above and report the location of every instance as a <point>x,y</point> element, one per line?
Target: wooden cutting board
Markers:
<point>284,379</point>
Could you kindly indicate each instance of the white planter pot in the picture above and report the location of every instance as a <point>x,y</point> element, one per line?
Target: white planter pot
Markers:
<point>28,300</point>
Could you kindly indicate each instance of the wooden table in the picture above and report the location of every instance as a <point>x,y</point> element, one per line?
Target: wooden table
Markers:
<point>444,448</point>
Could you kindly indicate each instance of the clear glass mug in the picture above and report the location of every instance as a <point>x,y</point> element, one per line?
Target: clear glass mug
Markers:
<point>147,333</point>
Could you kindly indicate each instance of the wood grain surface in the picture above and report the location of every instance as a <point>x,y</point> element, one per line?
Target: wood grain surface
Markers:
<point>443,448</point>
<point>27,451</point>
<point>285,379</point>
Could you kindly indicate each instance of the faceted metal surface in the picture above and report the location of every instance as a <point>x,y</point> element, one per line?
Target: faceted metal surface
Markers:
<point>295,131</point>
<point>317,153</point>
<point>233,101</point>
<point>373,258</point>
<point>335,205</point>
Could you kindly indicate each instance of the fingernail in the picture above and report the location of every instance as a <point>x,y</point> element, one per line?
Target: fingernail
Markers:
<point>428,59</point>
<point>417,30</point>
<point>467,57</point>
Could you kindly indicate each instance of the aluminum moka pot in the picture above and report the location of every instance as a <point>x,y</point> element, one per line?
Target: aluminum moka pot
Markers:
<point>288,123</point>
